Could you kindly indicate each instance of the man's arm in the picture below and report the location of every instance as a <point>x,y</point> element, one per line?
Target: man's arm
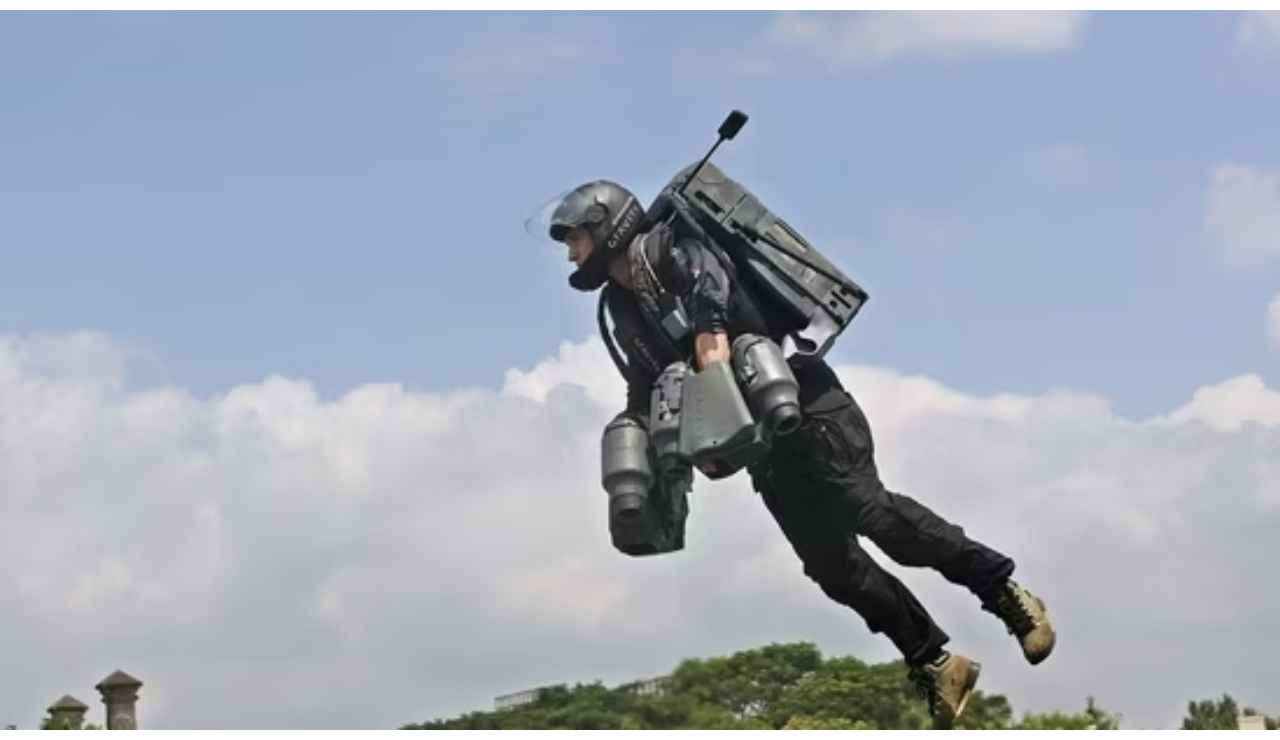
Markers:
<point>709,347</point>
<point>696,267</point>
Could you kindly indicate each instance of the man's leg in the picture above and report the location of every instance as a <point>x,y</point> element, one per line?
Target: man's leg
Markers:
<point>808,514</point>
<point>910,533</point>
<point>906,530</point>
<point>845,572</point>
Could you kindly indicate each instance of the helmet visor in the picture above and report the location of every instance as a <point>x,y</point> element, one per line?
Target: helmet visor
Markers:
<point>557,215</point>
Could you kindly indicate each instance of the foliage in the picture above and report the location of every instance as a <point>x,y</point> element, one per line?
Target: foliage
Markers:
<point>1221,714</point>
<point>63,723</point>
<point>802,722</point>
<point>1212,715</point>
<point>774,687</point>
<point>1092,718</point>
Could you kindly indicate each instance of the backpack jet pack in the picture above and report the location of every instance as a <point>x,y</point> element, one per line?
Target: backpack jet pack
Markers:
<point>804,295</point>
<point>793,295</point>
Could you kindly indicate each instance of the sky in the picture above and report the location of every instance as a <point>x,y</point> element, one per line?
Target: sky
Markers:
<point>301,428</point>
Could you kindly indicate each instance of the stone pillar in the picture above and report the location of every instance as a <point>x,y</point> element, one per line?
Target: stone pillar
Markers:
<point>68,713</point>
<point>120,694</point>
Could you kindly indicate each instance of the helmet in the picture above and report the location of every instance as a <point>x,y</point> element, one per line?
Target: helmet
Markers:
<point>610,213</point>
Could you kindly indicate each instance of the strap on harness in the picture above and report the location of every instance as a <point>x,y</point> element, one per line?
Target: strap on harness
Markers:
<point>753,316</point>
<point>606,335</point>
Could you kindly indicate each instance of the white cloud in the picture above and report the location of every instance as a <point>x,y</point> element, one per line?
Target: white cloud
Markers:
<point>1229,405</point>
<point>567,369</point>
<point>1259,30</point>
<point>1243,211</point>
<point>264,558</point>
<point>875,37</point>
<point>1273,321</point>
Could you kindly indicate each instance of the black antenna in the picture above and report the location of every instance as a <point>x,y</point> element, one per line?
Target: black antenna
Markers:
<point>733,123</point>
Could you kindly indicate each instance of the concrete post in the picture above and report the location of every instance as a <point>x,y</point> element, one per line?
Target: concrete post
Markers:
<point>68,712</point>
<point>120,694</point>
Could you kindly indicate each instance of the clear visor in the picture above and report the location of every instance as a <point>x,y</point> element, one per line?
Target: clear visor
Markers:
<point>563,210</point>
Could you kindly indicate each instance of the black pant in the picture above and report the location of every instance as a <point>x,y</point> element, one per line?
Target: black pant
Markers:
<point>821,485</point>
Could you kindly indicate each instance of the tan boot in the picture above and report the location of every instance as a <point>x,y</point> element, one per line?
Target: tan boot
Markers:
<point>1026,618</point>
<point>946,683</point>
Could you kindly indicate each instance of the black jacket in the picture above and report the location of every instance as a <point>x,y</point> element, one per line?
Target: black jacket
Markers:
<point>687,269</point>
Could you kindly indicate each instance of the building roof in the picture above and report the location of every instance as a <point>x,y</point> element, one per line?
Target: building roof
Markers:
<point>118,679</point>
<point>68,702</point>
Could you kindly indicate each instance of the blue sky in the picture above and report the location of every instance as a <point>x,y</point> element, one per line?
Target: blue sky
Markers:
<point>339,196</point>
<point>359,424</point>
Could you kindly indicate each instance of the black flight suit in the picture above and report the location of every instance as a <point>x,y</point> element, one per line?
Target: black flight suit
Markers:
<point>820,482</point>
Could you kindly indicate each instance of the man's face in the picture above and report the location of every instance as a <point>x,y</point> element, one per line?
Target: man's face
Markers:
<point>579,243</point>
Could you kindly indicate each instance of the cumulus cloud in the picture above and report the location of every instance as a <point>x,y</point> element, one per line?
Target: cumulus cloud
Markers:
<point>876,37</point>
<point>1259,30</point>
<point>1228,406</point>
<point>576,365</point>
<point>1243,212</point>
<point>265,558</point>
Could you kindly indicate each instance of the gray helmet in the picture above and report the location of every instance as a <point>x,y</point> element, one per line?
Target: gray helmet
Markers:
<point>610,213</point>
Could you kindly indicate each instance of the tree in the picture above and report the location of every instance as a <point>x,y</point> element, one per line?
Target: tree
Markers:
<point>748,683</point>
<point>880,696</point>
<point>1212,715</point>
<point>773,687</point>
<point>814,723</point>
<point>1092,718</point>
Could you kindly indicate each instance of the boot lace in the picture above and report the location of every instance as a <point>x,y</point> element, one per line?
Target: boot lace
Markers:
<point>1013,605</point>
<point>926,686</point>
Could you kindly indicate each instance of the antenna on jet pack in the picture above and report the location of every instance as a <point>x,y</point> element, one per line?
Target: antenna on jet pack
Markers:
<point>733,123</point>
